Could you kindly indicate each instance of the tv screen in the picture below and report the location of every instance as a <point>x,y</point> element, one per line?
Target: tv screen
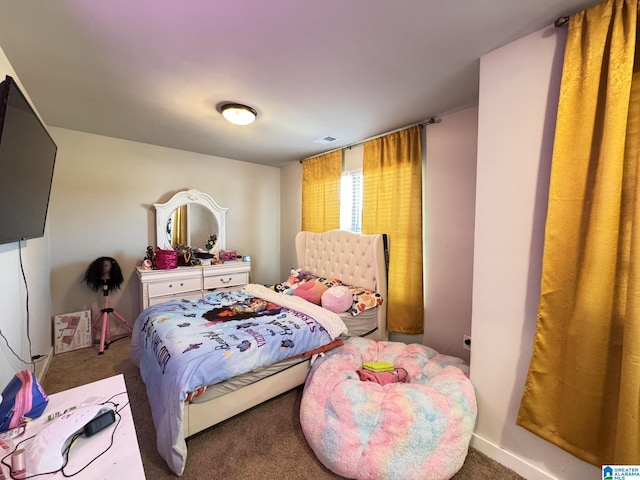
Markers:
<point>27,158</point>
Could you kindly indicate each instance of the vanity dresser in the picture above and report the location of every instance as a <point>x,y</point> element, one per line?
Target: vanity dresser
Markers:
<point>196,215</point>
<point>159,286</point>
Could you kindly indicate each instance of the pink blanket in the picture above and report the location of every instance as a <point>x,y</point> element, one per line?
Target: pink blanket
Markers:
<point>365,430</point>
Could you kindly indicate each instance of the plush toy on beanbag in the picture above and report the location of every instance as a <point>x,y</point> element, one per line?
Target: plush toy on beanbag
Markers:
<point>337,299</point>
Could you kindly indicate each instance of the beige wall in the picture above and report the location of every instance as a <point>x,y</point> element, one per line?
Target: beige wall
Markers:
<point>291,215</point>
<point>102,205</point>
<point>519,86</point>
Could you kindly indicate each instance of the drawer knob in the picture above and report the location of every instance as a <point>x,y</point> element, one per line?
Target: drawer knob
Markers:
<point>225,281</point>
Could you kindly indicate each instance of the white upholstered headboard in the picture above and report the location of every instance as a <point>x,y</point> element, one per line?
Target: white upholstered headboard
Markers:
<point>356,259</point>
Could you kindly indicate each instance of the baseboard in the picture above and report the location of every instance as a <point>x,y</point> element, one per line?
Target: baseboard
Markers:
<point>509,460</point>
<point>42,366</point>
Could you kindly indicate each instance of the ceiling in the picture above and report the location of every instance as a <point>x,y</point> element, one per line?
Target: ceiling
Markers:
<point>156,71</point>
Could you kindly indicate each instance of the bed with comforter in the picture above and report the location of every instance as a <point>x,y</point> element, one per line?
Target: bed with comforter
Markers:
<point>208,359</point>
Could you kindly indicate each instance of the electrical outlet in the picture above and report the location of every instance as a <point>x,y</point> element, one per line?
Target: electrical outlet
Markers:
<point>466,342</point>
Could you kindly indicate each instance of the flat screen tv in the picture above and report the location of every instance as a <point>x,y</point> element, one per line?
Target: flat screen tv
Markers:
<point>27,159</point>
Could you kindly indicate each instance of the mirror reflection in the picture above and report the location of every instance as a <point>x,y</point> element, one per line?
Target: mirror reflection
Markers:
<point>191,224</point>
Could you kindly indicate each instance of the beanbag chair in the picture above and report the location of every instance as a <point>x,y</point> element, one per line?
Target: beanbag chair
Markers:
<point>418,429</point>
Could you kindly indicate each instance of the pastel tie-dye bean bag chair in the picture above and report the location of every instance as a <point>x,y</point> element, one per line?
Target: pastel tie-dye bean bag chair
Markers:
<point>363,430</point>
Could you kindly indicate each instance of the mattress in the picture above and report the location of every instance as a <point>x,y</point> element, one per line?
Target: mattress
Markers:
<point>362,324</point>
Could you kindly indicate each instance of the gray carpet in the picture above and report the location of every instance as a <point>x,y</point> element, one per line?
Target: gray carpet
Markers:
<point>264,443</point>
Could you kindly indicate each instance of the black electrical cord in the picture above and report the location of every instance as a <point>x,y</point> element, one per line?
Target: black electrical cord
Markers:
<point>26,286</point>
<point>65,453</point>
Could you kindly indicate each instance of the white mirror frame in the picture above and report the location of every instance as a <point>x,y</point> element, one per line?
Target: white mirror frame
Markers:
<point>164,211</point>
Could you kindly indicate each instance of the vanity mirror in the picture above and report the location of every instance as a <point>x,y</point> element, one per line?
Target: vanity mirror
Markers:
<point>188,218</point>
<point>194,216</point>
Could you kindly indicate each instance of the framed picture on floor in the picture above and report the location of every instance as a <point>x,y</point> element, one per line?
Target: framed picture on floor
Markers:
<point>71,331</point>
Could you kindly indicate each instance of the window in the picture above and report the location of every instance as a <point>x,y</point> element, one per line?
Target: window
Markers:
<point>351,201</point>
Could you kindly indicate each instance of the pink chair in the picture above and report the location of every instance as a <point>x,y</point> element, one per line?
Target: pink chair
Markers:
<point>363,430</point>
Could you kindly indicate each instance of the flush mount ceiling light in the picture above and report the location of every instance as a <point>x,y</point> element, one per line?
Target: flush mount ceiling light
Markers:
<point>238,114</point>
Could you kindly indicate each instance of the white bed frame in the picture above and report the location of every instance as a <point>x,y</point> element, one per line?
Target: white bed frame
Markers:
<point>357,260</point>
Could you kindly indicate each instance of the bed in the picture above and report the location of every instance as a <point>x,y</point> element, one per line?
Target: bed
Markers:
<point>188,407</point>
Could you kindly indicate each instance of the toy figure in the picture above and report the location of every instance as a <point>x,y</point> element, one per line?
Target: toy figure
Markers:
<point>151,256</point>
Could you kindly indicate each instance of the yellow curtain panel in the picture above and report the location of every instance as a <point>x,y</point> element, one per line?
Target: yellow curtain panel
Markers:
<point>392,204</point>
<point>321,192</point>
<point>582,390</point>
<point>179,226</point>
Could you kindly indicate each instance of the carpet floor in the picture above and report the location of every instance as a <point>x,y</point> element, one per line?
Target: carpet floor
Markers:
<point>263,443</point>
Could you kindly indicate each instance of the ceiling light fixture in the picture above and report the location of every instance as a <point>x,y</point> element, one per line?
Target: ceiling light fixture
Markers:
<point>238,114</point>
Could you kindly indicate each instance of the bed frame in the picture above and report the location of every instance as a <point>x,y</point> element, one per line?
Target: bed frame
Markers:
<point>356,259</point>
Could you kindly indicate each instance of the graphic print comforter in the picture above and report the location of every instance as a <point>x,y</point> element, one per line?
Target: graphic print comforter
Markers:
<point>185,344</point>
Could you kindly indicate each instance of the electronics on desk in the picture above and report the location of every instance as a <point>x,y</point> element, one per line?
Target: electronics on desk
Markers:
<point>18,464</point>
<point>46,451</point>
<point>100,422</point>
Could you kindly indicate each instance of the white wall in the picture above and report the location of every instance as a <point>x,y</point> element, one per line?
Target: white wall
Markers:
<point>102,205</point>
<point>450,191</point>
<point>519,86</point>
<point>14,322</point>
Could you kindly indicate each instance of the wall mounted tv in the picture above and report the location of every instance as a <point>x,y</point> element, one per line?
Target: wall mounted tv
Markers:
<point>27,158</point>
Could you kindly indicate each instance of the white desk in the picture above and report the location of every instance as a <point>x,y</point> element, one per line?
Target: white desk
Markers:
<point>120,461</point>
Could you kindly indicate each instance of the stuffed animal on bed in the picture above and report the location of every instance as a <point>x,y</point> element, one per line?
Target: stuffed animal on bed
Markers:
<point>292,278</point>
<point>297,275</point>
<point>337,299</point>
<point>311,291</point>
<point>295,278</point>
<point>314,288</point>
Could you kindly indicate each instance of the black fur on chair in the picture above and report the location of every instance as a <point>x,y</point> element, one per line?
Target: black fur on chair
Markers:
<point>104,271</point>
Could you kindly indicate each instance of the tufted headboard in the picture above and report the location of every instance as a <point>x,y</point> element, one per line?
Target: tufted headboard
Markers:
<point>356,259</point>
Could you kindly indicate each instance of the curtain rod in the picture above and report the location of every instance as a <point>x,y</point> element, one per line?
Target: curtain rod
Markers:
<point>430,121</point>
<point>561,22</point>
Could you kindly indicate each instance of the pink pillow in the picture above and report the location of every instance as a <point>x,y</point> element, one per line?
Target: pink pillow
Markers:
<point>337,299</point>
<point>311,291</point>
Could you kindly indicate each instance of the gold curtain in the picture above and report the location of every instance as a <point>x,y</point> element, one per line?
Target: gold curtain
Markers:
<point>392,204</point>
<point>179,226</point>
<point>582,391</point>
<point>321,192</point>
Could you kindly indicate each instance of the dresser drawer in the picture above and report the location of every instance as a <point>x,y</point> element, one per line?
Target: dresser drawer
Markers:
<point>172,287</point>
<point>226,280</point>
<point>182,296</point>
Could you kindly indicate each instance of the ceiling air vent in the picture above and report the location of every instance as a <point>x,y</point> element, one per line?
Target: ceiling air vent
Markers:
<point>326,140</point>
